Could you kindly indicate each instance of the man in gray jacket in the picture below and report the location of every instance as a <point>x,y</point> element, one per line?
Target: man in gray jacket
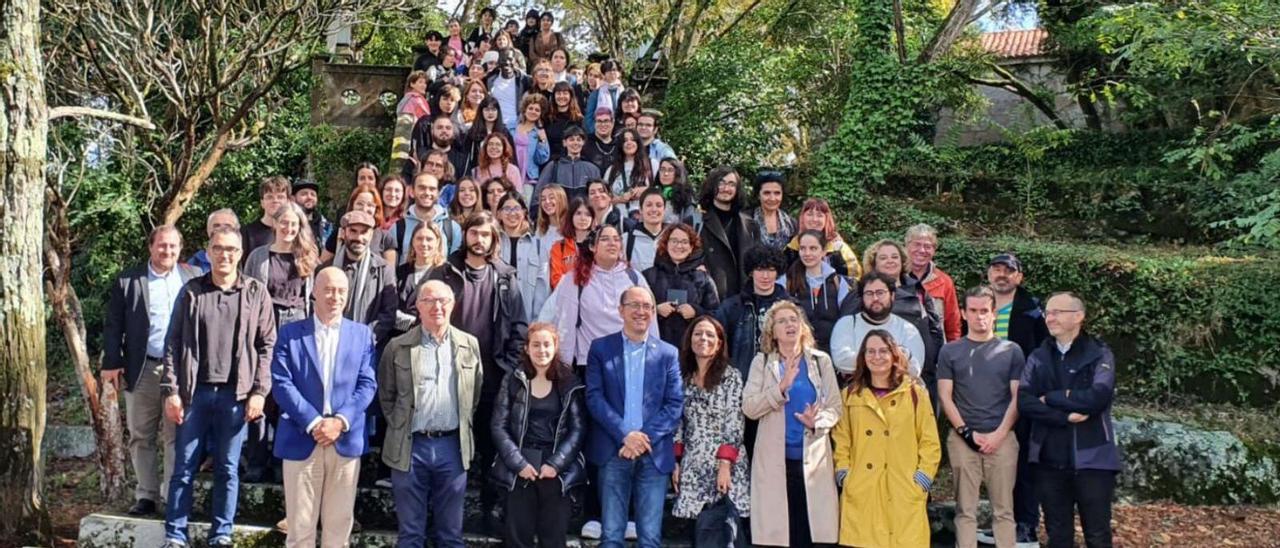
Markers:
<point>570,171</point>
<point>373,297</point>
<point>217,373</point>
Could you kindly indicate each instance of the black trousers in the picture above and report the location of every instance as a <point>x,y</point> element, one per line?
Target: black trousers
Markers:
<point>797,506</point>
<point>537,510</point>
<point>1026,507</point>
<point>1063,492</point>
<point>490,494</point>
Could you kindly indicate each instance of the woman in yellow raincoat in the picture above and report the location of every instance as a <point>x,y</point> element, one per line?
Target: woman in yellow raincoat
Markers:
<point>887,450</point>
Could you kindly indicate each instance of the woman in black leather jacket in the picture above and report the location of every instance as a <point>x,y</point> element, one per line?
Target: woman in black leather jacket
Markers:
<point>539,425</point>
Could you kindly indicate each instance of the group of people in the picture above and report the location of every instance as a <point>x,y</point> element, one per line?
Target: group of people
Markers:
<point>563,319</point>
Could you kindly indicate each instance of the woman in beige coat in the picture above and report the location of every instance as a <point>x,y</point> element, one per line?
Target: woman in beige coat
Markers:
<point>792,391</point>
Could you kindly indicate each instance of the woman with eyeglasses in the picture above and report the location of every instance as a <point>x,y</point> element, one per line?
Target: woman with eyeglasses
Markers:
<point>682,290</point>
<point>673,180</point>
<point>524,251</point>
<point>887,450</point>
<point>792,391</point>
<point>497,159</point>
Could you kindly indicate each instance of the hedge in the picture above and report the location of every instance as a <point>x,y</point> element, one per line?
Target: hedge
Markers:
<point>1181,322</point>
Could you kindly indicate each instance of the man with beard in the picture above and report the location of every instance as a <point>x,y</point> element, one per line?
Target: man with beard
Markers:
<point>372,300</point>
<point>601,146</point>
<point>306,193</point>
<point>647,127</point>
<point>439,131</point>
<point>489,307</point>
<point>726,230</point>
<point>876,291</point>
<point>1018,320</point>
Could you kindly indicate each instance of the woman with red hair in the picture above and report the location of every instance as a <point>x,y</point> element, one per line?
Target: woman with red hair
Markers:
<point>815,214</point>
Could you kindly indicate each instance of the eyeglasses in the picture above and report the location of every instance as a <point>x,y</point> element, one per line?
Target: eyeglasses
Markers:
<point>876,294</point>
<point>678,241</point>
<point>642,307</point>
<point>224,249</point>
<point>879,352</point>
<point>604,120</point>
<point>1059,311</point>
<point>433,302</point>
<point>511,209</point>
<point>666,169</point>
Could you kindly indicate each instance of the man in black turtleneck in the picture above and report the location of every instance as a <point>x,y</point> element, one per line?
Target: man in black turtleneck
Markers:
<point>726,229</point>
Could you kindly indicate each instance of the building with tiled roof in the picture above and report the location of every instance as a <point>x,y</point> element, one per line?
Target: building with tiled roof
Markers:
<point>1015,44</point>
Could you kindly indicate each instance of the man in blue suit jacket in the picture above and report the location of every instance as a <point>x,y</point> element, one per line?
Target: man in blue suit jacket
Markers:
<point>323,380</point>
<point>636,398</point>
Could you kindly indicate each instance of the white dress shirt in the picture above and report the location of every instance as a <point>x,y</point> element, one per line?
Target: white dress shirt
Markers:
<point>327,353</point>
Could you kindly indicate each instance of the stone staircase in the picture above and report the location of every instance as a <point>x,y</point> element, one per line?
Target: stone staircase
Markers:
<point>261,506</point>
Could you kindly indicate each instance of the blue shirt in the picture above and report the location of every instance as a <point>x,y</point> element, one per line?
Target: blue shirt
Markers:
<point>162,293</point>
<point>633,365</point>
<point>801,394</point>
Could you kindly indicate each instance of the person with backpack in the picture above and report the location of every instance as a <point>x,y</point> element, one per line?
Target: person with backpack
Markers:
<point>887,450</point>
<point>488,306</point>
<point>816,285</point>
<point>426,190</point>
<point>640,241</point>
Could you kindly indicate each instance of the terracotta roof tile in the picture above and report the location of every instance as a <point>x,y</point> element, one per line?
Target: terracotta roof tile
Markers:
<point>1015,44</point>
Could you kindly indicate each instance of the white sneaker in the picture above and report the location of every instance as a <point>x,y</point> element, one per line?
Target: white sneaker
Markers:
<point>591,530</point>
<point>986,536</point>
<point>631,531</point>
<point>1028,544</point>
<point>384,483</point>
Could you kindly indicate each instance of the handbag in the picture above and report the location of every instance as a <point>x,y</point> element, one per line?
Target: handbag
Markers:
<point>719,525</point>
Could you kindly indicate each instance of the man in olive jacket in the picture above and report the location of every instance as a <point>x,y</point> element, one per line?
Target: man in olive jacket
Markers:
<point>428,386</point>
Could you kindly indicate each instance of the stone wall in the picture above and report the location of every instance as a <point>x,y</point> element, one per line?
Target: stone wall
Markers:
<point>360,96</point>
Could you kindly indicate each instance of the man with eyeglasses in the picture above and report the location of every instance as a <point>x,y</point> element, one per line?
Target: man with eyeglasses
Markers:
<point>215,378</point>
<point>922,245</point>
<point>636,399</point>
<point>225,217</point>
<point>489,307</point>
<point>429,383</point>
<point>1066,391</point>
<point>647,127</point>
<point>876,291</point>
<point>601,146</point>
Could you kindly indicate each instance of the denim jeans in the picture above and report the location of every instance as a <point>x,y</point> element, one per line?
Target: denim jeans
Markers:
<point>435,484</point>
<point>212,423</point>
<point>625,481</point>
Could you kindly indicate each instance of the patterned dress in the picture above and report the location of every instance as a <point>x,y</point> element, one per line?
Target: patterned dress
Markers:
<point>712,424</point>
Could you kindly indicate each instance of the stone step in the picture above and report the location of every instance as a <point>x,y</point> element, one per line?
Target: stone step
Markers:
<point>107,530</point>
<point>374,508</point>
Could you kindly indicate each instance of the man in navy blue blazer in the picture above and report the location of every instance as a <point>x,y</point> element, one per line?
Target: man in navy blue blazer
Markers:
<point>635,396</point>
<point>323,380</point>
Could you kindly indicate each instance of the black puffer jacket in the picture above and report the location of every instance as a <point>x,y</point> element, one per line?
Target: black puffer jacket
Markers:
<point>510,422</point>
<point>700,291</point>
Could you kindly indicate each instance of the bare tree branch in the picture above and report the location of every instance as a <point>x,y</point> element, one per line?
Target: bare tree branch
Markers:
<point>65,112</point>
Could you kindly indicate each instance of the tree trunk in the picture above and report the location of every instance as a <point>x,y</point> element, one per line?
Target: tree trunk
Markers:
<point>24,519</point>
<point>175,203</point>
<point>104,407</point>
<point>951,29</point>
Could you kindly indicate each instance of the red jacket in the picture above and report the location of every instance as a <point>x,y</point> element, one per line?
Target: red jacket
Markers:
<point>942,289</point>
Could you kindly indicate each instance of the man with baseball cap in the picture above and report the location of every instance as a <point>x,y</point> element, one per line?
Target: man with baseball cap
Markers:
<point>1020,320</point>
<point>372,298</point>
<point>306,193</point>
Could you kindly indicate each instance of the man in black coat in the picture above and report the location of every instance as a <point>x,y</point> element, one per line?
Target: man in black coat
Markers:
<point>726,229</point>
<point>489,307</point>
<point>133,337</point>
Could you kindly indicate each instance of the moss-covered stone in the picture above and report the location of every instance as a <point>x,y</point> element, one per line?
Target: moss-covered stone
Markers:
<point>1167,460</point>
